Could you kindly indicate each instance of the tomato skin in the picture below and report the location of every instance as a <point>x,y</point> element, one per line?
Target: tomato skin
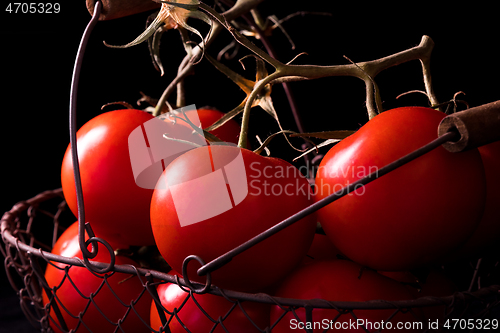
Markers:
<point>115,206</point>
<point>127,289</point>
<point>172,296</point>
<point>260,209</point>
<point>411,216</point>
<point>339,281</point>
<point>488,230</point>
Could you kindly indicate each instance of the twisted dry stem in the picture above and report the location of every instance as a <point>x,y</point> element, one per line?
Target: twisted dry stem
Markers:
<point>365,71</point>
<point>283,73</point>
<point>241,7</point>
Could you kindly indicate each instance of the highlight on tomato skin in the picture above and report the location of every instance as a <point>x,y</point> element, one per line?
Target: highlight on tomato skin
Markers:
<point>79,280</point>
<point>117,189</point>
<point>173,297</point>
<point>117,171</point>
<point>416,214</point>
<point>213,199</point>
<point>116,207</point>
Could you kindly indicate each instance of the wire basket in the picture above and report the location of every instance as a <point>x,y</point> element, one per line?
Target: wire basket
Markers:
<point>30,230</point>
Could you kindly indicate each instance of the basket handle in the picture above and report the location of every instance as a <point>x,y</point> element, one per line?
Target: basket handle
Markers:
<point>84,226</point>
<point>113,9</point>
<point>477,126</point>
<point>457,132</point>
<point>228,256</point>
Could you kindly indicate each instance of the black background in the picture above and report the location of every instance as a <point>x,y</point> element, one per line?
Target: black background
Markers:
<point>38,52</point>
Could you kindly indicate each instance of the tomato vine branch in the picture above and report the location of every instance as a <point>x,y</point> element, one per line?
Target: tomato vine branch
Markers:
<point>283,73</point>
<point>365,71</point>
<point>240,7</point>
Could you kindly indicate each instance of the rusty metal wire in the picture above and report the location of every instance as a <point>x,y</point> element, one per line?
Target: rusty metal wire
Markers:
<point>26,256</point>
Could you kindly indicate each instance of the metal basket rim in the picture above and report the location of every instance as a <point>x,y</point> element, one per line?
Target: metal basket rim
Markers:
<point>426,301</point>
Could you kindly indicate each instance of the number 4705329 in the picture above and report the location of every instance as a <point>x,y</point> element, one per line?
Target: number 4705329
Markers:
<point>33,8</point>
<point>471,324</point>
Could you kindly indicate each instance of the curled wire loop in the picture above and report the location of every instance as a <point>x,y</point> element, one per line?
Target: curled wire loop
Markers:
<point>208,281</point>
<point>92,267</point>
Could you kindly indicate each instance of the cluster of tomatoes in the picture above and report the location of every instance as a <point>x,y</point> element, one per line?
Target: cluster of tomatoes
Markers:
<point>438,206</point>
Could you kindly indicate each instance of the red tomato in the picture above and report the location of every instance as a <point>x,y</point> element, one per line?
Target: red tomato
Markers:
<point>116,207</point>
<point>341,281</point>
<point>411,216</point>
<point>172,297</point>
<point>218,197</point>
<point>488,230</point>
<point>68,299</point>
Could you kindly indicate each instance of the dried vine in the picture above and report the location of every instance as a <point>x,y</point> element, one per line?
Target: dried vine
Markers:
<point>287,72</point>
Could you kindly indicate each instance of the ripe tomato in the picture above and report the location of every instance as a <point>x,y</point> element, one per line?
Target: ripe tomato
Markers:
<point>340,281</point>
<point>172,297</point>
<point>116,207</point>
<point>488,230</point>
<point>411,216</point>
<point>127,288</point>
<point>212,199</point>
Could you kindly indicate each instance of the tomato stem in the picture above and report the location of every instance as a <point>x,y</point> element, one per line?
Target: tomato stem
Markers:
<point>366,71</point>
<point>288,72</point>
<point>426,71</point>
<point>259,86</point>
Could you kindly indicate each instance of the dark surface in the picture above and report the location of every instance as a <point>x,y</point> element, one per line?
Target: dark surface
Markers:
<point>38,55</point>
<point>11,317</point>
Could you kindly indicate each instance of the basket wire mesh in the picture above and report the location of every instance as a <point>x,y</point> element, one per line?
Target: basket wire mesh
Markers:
<point>30,228</point>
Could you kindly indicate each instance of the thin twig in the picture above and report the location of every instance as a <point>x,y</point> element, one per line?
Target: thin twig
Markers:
<point>241,7</point>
